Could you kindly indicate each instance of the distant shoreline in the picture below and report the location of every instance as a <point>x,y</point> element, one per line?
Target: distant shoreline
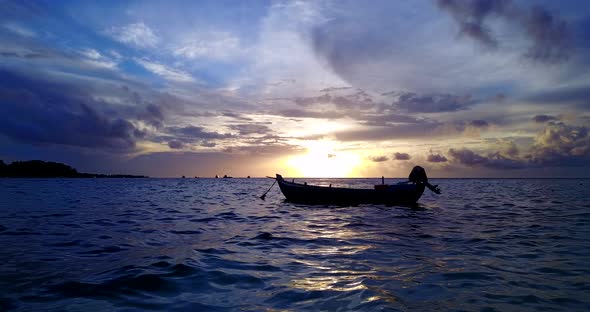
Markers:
<point>49,169</point>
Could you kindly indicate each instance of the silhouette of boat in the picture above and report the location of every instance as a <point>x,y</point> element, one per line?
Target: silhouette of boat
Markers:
<point>401,193</point>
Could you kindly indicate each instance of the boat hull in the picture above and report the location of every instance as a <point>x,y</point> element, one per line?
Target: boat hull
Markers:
<point>408,193</point>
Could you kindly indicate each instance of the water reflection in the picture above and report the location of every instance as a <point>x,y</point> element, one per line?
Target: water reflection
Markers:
<point>213,246</point>
<point>335,283</point>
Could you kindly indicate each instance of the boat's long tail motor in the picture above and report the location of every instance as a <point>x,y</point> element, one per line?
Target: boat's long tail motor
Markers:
<point>263,197</point>
<point>418,175</point>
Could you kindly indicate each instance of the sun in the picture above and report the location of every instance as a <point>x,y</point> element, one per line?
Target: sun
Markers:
<point>321,161</point>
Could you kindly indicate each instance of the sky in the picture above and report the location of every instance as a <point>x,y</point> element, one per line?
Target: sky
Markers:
<point>463,88</point>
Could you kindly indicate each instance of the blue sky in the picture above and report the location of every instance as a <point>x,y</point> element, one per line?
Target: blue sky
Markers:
<point>315,88</point>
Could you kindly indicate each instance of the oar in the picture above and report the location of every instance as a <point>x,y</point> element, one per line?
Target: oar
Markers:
<point>264,195</point>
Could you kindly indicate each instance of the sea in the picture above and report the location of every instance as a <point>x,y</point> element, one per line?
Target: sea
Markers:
<point>214,245</point>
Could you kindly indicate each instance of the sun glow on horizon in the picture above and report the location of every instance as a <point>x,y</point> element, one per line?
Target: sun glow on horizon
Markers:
<point>322,161</point>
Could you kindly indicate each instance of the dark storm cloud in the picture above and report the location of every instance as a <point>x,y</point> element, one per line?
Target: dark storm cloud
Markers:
<point>549,35</point>
<point>252,128</point>
<point>183,137</point>
<point>302,113</point>
<point>468,157</point>
<point>358,100</point>
<point>431,103</point>
<point>310,101</point>
<point>25,54</point>
<point>576,96</point>
<point>236,116</point>
<point>377,128</point>
<point>544,118</point>
<point>378,158</point>
<point>332,89</point>
<point>40,111</point>
<point>561,145</point>
<point>558,145</point>
<point>347,39</point>
<point>436,158</point>
<point>478,123</point>
<point>401,156</point>
<point>152,115</point>
<point>208,144</point>
<point>175,144</point>
<point>196,133</point>
<point>471,15</point>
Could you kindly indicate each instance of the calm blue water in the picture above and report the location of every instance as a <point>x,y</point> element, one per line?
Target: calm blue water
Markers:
<point>212,245</point>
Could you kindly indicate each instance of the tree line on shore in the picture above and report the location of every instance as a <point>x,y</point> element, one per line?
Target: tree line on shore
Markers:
<point>49,169</point>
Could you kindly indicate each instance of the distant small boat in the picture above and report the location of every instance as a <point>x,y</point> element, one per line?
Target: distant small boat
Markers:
<point>400,193</point>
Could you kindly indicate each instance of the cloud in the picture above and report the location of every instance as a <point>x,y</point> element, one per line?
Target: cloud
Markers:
<point>137,34</point>
<point>332,89</point>
<point>94,58</point>
<point>471,15</point>
<point>396,131</point>
<point>436,158</point>
<point>359,100</point>
<point>208,144</point>
<point>378,133</point>
<point>544,118</point>
<point>26,54</point>
<point>91,54</point>
<point>31,56</point>
<point>189,136</point>
<point>310,101</point>
<point>378,158</point>
<point>152,115</point>
<point>385,119</point>
<point>548,34</point>
<point>401,156</point>
<point>218,45</point>
<point>270,148</point>
<point>303,113</point>
<point>19,30</point>
<point>175,144</point>
<point>561,145</point>
<point>247,129</point>
<point>507,149</point>
<point>577,96</point>
<point>468,157</point>
<point>478,123</point>
<point>431,103</point>
<point>47,112</point>
<point>192,133</point>
<point>558,145</point>
<point>235,116</point>
<point>473,128</point>
<point>344,40</point>
<point>167,72</point>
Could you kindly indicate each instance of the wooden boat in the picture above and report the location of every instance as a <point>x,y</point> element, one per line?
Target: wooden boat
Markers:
<point>401,193</point>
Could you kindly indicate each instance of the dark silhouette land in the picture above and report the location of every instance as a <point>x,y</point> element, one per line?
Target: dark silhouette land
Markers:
<point>49,169</point>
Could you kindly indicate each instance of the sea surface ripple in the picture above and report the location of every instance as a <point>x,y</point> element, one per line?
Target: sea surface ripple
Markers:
<point>213,245</point>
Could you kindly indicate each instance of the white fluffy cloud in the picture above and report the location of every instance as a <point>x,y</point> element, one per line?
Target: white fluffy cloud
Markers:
<point>168,73</point>
<point>137,34</point>
<point>219,45</point>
